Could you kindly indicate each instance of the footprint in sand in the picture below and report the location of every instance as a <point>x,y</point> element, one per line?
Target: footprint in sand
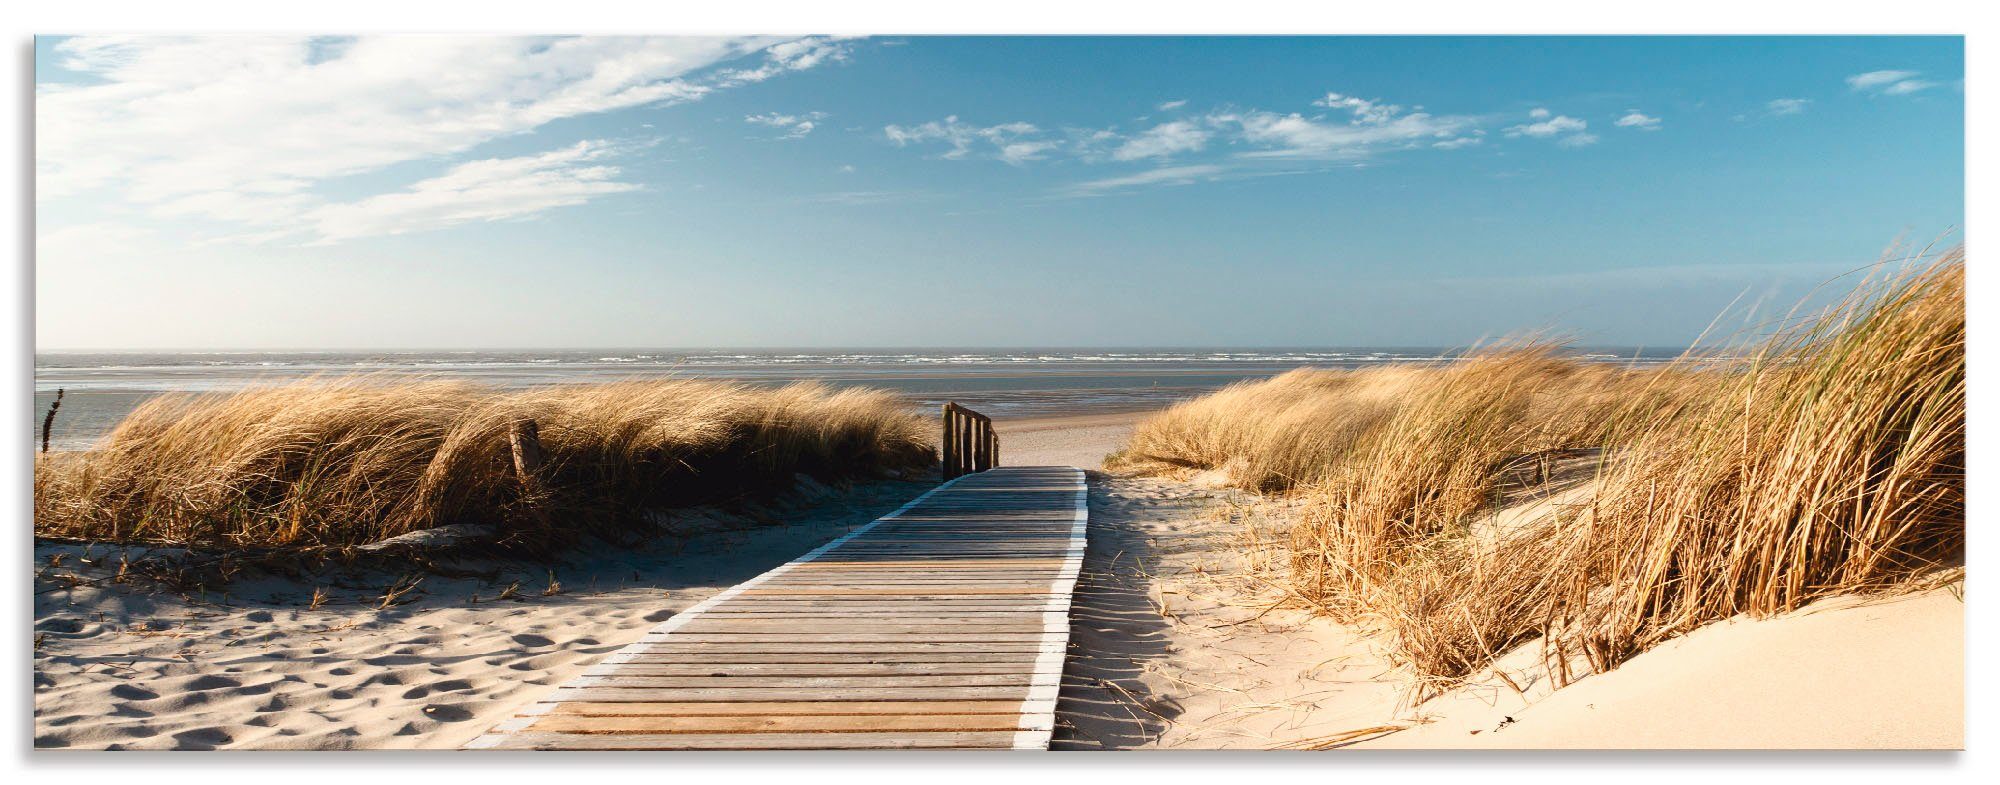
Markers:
<point>133,692</point>
<point>534,641</point>
<point>211,682</point>
<point>201,739</point>
<point>447,713</point>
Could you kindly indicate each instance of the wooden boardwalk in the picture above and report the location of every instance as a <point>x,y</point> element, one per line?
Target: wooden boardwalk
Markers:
<point>941,625</point>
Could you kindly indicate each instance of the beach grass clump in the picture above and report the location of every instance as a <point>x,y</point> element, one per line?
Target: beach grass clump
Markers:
<point>1268,435</point>
<point>1834,463</point>
<point>349,461</point>
<point>1828,459</point>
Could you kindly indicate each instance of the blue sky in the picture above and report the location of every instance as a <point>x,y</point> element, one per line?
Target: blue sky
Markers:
<point>440,192</point>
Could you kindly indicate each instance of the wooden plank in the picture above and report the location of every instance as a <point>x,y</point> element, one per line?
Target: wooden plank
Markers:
<point>783,708</point>
<point>941,625</point>
<point>827,723</point>
<point>654,694</point>
<point>842,648</point>
<point>623,680</point>
<point>858,660</point>
<point>847,668</point>
<point>896,740</point>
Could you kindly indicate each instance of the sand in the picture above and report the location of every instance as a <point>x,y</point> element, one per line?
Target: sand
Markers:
<point>1844,673</point>
<point>1175,643</point>
<point>1080,440</point>
<point>139,667</point>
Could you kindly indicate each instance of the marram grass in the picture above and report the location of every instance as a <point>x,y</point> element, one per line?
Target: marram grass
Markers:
<point>1831,460</point>
<point>350,461</point>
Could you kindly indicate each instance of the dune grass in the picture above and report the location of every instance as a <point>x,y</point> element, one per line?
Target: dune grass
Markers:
<point>1830,461</point>
<point>349,461</point>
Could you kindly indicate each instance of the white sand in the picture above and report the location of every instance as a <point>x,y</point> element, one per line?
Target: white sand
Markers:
<point>1081,441</point>
<point>1844,673</point>
<point>1175,644</point>
<point>136,668</point>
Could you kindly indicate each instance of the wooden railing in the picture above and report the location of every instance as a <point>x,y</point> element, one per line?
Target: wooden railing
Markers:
<point>969,443</point>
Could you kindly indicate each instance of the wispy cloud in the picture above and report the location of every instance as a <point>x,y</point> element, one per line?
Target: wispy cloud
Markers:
<point>1166,175</point>
<point>494,189</point>
<point>1015,142</point>
<point>1565,130</point>
<point>1164,141</point>
<point>243,130</point>
<point>788,56</point>
<point>1168,106</point>
<point>1787,106</point>
<point>1634,118</point>
<point>1888,82</point>
<point>794,126</point>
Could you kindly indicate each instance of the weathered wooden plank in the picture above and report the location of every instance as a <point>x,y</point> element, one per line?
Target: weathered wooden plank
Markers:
<point>624,680</point>
<point>894,740</point>
<point>822,647</point>
<point>847,668</point>
<point>653,694</point>
<point>879,657</point>
<point>940,625</point>
<point>783,708</point>
<point>797,723</point>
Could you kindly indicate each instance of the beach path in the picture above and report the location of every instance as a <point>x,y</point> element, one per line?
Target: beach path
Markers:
<point>941,625</point>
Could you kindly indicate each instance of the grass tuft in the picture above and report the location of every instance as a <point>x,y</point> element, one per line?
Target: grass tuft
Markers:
<point>349,461</point>
<point>1514,495</point>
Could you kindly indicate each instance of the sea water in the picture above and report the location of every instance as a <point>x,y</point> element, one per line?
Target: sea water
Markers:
<point>102,387</point>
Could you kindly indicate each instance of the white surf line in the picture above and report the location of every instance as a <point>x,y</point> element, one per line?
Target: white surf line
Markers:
<point>533,711</point>
<point>1038,712</point>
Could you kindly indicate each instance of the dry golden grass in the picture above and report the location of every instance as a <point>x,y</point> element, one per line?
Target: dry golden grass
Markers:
<point>1831,461</point>
<point>350,461</point>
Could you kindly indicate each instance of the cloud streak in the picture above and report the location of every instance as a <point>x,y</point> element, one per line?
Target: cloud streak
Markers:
<point>1888,82</point>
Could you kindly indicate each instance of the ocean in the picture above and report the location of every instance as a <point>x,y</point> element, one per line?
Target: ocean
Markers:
<point>101,387</point>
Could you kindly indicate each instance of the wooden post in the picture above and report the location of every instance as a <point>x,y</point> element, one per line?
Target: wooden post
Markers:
<point>965,447</point>
<point>947,445</point>
<point>526,440</point>
<point>981,459</point>
<point>996,449</point>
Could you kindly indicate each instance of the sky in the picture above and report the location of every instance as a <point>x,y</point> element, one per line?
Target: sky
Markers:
<point>503,192</point>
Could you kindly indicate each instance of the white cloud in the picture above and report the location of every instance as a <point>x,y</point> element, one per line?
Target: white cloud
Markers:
<point>489,190</point>
<point>1635,119</point>
<point>1166,175</point>
<point>1371,127</point>
<point>1559,124</point>
<point>1365,111</point>
<point>1566,131</point>
<point>1164,141</point>
<point>1787,106</point>
<point>788,56</point>
<point>1172,105</point>
<point>794,126</point>
<point>1908,86</point>
<point>1458,142</point>
<point>1888,82</point>
<point>243,129</point>
<point>1014,143</point>
<point>1874,79</point>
